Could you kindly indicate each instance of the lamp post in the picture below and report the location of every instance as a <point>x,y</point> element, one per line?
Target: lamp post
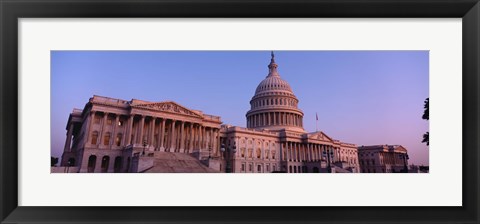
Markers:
<point>68,166</point>
<point>144,145</point>
<point>209,151</point>
<point>405,158</point>
<point>229,152</point>
<point>328,154</point>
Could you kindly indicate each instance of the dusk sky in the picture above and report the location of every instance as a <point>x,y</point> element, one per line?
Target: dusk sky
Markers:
<point>361,97</point>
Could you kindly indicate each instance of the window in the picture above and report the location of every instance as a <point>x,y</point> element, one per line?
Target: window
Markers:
<point>117,166</point>
<point>250,167</point>
<point>106,139</point>
<point>268,168</point>
<point>92,160</point>
<point>96,119</point>
<point>242,152</point>
<point>118,140</point>
<point>258,153</point>
<point>259,168</point>
<point>94,137</point>
<point>109,121</point>
<point>243,167</point>
<point>105,162</point>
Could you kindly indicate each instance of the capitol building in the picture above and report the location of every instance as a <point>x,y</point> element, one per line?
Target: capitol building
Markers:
<point>120,136</point>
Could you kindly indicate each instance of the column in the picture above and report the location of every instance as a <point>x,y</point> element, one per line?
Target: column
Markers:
<point>152,131</point>
<point>214,143</point>
<point>200,142</point>
<point>140,135</point>
<point>68,141</point>
<point>304,155</point>
<point>161,135</point>
<point>128,131</point>
<point>114,131</point>
<point>204,137</point>
<point>300,152</point>
<point>289,155</point>
<point>102,128</point>
<point>311,147</point>
<point>190,138</point>
<point>210,139</point>
<point>172,136</point>
<point>294,150</point>
<point>297,150</point>
<point>89,124</point>
<point>182,138</point>
<point>197,136</point>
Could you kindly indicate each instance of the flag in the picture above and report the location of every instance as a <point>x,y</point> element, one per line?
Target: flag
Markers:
<point>316,114</point>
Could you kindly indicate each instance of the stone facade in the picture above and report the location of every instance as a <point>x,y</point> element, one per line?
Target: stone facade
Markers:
<point>113,135</point>
<point>383,159</point>
<point>108,132</point>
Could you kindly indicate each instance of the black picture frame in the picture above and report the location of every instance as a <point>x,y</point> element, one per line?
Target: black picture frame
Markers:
<point>11,11</point>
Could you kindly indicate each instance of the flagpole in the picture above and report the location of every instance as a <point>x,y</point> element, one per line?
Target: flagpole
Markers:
<point>316,122</point>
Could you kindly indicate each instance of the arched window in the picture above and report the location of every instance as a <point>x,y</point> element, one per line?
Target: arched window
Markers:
<point>94,137</point>
<point>259,168</point>
<point>276,101</point>
<point>105,162</point>
<point>92,160</point>
<point>271,101</point>
<point>117,166</point>
<point>106,139</point>
<point>290,168</point>
<point>118,140</point>
<point>258,153</point>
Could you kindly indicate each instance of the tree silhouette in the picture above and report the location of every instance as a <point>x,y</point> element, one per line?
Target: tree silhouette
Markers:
<point>53,161</point>
<point>425,116</point>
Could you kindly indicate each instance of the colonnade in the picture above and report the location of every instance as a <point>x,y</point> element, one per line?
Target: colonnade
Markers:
<point>309,152</point>
<point>163,134</point>
<point>392,158</point>
<point>274,118</point>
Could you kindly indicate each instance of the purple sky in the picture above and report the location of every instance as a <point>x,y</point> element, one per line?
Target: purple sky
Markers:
<point>361,97</point>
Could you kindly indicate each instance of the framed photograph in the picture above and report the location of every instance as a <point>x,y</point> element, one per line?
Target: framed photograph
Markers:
<point>251,112</point>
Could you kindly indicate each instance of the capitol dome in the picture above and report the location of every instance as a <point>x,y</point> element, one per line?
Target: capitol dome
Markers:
<point>274,105</point>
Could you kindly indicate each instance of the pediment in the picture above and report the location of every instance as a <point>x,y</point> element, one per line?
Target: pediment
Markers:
<point>320,136</point>
<point>170,107</point>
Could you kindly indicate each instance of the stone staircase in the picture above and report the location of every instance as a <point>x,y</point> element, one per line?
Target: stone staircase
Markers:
<point>170,162</point>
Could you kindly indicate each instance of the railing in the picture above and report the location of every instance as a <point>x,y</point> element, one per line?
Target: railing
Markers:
<point>211,117</point>
<point>108,101</point>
